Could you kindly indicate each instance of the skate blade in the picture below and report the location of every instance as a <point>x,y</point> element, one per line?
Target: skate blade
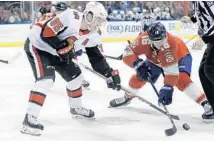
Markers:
<point>31,131</point>
<point>121,106</point>
<point>83,117</point>
<point>208,121</point>
<point>118,107</point>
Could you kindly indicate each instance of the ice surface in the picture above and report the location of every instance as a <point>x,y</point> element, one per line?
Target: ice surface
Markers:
<point>136,122</point>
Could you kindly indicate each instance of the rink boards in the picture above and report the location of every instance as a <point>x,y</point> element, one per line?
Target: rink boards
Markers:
<point>13,35</point>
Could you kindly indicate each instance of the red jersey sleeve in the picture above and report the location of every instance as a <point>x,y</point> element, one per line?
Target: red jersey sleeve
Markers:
<point>134,49</point>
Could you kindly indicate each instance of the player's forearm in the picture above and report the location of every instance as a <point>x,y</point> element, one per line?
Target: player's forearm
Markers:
<point>54,42</point>
<point>97,60</point>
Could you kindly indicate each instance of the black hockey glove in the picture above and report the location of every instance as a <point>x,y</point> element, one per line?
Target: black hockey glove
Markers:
<point>114,79</point>
<point>66,51</point>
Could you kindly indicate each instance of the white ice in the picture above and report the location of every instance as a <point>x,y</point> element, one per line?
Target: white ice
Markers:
<point>136,122</point>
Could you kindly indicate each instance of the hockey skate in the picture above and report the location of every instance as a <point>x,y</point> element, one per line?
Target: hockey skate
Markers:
<point>81,112</point>
<point>208,115</point>
<point>121,101</point>
<point>85,84</point>
<point>31,126</point>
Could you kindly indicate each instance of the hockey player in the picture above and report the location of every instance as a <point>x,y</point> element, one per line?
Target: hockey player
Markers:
<point>58,8</point>
<point>51,46</point>
<point>165,54</point>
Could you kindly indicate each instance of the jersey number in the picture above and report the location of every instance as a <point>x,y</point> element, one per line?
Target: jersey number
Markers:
<point>145,40</point>
<point>56,24</point>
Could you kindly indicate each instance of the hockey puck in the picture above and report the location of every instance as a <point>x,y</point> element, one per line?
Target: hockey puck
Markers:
<point>186,126</point>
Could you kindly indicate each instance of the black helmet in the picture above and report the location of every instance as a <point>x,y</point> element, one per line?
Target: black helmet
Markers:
<point>60,6</point>
<point>156,31</point>
<point>43,10</point>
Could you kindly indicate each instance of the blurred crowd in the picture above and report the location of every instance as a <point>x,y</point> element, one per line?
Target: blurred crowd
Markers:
<point>135,10</point>
<point>10,12</point>
<point>26,11</point>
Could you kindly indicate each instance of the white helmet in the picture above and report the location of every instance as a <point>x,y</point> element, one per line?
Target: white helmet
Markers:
<point>97,14</point>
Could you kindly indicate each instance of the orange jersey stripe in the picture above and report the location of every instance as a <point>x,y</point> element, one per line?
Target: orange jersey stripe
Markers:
<point>48,32</point>
<point>75,93</point>
<point>201,98</point>
<point>37,98</point>
<point>41,70</point>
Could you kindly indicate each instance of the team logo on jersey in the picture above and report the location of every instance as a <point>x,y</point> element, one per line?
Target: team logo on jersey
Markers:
<point>169,58</point>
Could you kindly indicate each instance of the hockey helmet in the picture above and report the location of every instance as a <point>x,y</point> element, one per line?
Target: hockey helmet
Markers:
<point>60,6</point>
<point>157,34</point>
<point>95,14</point>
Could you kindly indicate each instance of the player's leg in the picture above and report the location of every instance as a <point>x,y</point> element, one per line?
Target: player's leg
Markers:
<point>186,85</point>
<point>44,76</point>
<point>208,88</point>
<point>85,83</point>
<point>135,84</point>
<point>71,73</point>
<point>206,75</point>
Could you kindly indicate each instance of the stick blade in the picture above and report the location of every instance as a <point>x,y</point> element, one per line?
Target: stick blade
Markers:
<point>170,131</point>
<point>174,117</point>
<point>4,61</point>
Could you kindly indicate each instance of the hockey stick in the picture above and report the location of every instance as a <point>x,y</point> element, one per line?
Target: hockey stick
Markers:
<point>115,58</point>
<point>170,131</point>
<point>12,59</point>
<point>190,39</point>
<point>4,61</point>
<point>128,91</point>
<point>111,57</point>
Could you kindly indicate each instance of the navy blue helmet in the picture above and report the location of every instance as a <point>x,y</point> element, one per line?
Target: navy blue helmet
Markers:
<point>156,31</point>
<point>60,6</point>
<point>43,10</point>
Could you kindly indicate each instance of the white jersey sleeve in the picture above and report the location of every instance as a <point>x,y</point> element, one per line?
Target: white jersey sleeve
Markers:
<point>89,40</point>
